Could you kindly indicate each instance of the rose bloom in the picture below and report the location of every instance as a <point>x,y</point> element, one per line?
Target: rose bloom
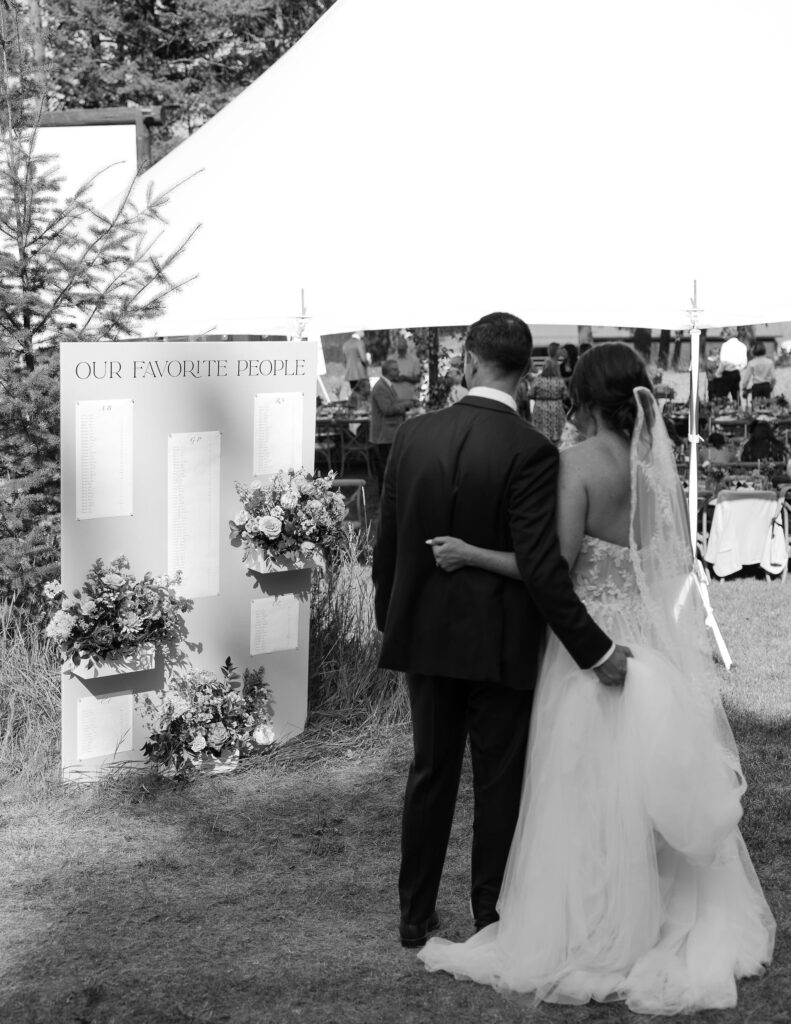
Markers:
<point>289,500</point>
<point>241,517</point>
<point>103,636</point>
<point>270,527</point>
<point>198,744</point>
<point>218,734</point>
<point>112,579</point>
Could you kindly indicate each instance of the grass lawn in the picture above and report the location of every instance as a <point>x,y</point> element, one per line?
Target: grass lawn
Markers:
<point>270,895</point>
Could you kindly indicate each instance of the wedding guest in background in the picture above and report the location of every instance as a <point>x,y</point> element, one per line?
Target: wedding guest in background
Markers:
<point>455,376</point>
<point>567,360</point>
<point>733,359</point>
<point>388,412</point>
<point>718,453</point>
<point>409,369</point>
<point>762,444</point>
<point>356,372</point>
<point>548,391</point>
<point>758,377</point>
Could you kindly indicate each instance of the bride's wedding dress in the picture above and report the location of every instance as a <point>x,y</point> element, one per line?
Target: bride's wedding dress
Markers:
<point>628,877</point>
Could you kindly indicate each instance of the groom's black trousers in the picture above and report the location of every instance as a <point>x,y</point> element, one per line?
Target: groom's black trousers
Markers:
<point>444,712</point>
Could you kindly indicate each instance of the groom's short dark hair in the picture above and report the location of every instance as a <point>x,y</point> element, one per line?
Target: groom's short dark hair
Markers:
<point>502,339</point>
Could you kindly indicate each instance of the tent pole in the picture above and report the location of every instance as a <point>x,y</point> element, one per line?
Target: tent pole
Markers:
<point>699,574</point>
<point>693,436</point>
<point>321,387</point>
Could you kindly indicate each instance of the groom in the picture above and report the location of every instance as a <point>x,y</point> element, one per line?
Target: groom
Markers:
<point>470,641</point>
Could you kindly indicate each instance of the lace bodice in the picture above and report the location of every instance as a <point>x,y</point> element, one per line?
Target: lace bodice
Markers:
<point>604,579</point>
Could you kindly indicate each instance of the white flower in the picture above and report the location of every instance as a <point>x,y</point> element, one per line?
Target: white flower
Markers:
<point>256,485</point>
<point>242,517</point>
<point>263,734</point>
<point>130,623</point>
<point>60,626</point>
<point>87,606</point>
<point>198,744</point>
<point>270,527</point>
<point>179,705</point>
<point>307,546</point>
<point>112,579</point>
<point>289,500</point>
<point>52,590</point>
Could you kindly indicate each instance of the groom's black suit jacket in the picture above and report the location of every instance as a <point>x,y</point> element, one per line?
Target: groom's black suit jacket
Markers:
<point>479,472</point>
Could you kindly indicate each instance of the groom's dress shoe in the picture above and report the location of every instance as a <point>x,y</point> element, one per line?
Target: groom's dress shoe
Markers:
<point>415,935</point>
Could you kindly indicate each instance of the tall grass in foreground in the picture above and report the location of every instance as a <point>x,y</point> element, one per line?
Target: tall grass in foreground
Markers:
<point>345,683</point>
<point>29,700</point>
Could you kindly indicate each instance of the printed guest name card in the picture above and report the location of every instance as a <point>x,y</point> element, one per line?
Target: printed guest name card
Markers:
<point>274,624</point>
<point>277,432</point>
<point>194,511</point>
<point>103,456</point>
<point>104,725</point>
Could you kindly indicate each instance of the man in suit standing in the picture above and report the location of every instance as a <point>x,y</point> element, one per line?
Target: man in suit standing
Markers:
<point>387,413</point>
<point>470,641</point>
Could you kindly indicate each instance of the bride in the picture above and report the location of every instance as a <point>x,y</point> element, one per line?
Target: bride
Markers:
<point>627,876</point>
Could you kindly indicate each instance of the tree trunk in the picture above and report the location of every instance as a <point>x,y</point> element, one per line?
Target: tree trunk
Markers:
<point>37,36</point>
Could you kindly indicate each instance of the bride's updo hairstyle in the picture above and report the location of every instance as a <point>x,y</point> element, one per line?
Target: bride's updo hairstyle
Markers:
<point>604,378</point>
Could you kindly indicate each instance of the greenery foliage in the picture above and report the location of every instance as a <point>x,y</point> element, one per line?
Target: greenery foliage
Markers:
<point>189,56</point>
<point>69,271</point>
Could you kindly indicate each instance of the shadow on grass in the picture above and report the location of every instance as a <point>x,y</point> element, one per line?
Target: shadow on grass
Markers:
<point>265,896</point>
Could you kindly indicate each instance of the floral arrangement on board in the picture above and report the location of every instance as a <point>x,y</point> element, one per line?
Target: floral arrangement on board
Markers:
<point>291,521</point>
<point>114,613</point>
<point>203,717</point>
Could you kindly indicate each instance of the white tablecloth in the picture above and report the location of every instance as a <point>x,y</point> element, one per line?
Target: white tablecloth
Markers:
<point>747,529</point>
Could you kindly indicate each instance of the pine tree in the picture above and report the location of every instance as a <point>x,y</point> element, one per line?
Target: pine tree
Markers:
<point>68,272</point>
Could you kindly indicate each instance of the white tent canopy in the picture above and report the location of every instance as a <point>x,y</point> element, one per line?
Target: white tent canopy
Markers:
<point>428,161</point>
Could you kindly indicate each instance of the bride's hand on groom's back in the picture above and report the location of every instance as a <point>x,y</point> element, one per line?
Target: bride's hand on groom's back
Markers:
<point>450,553</point>
<point>613,671</point>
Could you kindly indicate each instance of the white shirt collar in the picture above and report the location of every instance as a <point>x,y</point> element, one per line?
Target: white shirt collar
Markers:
<point>495,394</point>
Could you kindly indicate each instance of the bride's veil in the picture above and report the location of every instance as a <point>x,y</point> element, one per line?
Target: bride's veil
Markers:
<point>661,553</point>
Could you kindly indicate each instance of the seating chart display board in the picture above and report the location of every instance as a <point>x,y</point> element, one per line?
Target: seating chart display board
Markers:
<point>154,437</point>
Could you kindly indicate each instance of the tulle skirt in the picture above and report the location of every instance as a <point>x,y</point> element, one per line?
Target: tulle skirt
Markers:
<point>627,877</point>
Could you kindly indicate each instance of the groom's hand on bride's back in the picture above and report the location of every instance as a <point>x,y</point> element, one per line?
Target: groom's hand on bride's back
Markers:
<point>613,671</point>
